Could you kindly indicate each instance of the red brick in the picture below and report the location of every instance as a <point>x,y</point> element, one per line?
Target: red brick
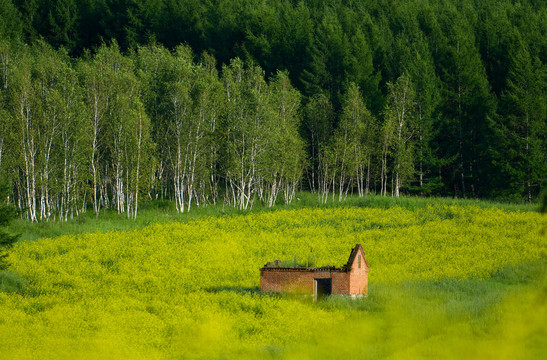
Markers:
<point>348,280</point>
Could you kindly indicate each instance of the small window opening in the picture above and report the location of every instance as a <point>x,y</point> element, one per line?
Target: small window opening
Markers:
<point>359,260</point>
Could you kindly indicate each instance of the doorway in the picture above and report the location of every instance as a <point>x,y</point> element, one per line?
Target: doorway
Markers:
<point>323,287</point>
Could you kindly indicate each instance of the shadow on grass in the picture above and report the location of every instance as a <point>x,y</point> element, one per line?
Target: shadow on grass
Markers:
<point>236,289</point>
<point>12,282</point>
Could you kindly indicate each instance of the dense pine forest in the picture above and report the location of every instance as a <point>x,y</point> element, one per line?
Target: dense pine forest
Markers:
<point>105,104</point>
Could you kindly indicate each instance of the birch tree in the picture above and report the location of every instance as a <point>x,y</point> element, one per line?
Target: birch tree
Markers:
<point>5,122</point>
<point>5,72</point>
<point>46,106</point>
<point>181,126</point>
<point>247,112</point>
<point>387,131</point>
<point>137,159</point>
<point>285,150</point>
<point>61,110</point>
<point>73,151</point>
<point>49,69</point>
<point>27,133</point>
<point>317,127</point>
<point>209,108</point>
<point>154,69</point>
<point>121,115</point>
<point>353,141</point>
<point>97,94</point>
<point>400,116</point>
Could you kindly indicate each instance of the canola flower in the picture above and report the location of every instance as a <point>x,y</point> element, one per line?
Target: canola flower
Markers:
<point>190,290</point>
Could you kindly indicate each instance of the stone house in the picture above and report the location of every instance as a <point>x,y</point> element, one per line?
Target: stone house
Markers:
<point>350,279</point>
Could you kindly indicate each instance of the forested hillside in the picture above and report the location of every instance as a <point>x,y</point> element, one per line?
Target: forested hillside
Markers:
<point>107,103</point>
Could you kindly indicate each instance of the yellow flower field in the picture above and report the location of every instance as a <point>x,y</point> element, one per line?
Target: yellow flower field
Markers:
<point>185,291</point>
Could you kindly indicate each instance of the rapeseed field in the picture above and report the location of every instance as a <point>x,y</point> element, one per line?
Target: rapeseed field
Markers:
<point>445,282</point>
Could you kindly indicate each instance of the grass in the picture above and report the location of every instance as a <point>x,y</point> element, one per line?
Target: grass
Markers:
<point>11,282</point>
<point>445,282</point>
<point>163,211</point>
<point>409,202</point>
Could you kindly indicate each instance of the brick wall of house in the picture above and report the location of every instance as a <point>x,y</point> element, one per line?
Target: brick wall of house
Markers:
<point>358,278</point>
<point>302,281</point>
<point>286,280</point>
<point>340,283</point>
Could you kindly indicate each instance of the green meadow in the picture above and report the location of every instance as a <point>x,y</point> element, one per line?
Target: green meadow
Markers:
<point>447,280</point>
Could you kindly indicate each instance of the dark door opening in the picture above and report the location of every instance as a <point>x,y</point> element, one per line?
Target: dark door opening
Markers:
<point>323,287</point>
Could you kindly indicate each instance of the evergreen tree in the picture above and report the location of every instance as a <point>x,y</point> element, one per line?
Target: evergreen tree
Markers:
<point>30,18</point>
<point>494,33</point>
<point>421,69</point>
<point>11,25</point>
<point>467,132</point>
<point>330,57</point>
<point>524,126</point>
<point>361,70</point>
<point>61,26</point>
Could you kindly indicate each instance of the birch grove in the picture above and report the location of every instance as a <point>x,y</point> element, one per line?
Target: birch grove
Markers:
<point>67,121</point>
<point>85,135</point>
<point>109,131</point>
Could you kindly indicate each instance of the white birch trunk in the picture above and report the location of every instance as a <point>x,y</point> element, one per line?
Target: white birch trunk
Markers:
<point>139,150</point>
<point>94,151</point>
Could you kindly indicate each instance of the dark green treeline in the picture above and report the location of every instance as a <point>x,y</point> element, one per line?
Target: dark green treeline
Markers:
<point>268,97</point>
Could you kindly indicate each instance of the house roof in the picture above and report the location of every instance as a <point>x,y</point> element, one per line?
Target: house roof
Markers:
<point>304,269</point>
<point>358,248</point>
<point>278,265</point>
